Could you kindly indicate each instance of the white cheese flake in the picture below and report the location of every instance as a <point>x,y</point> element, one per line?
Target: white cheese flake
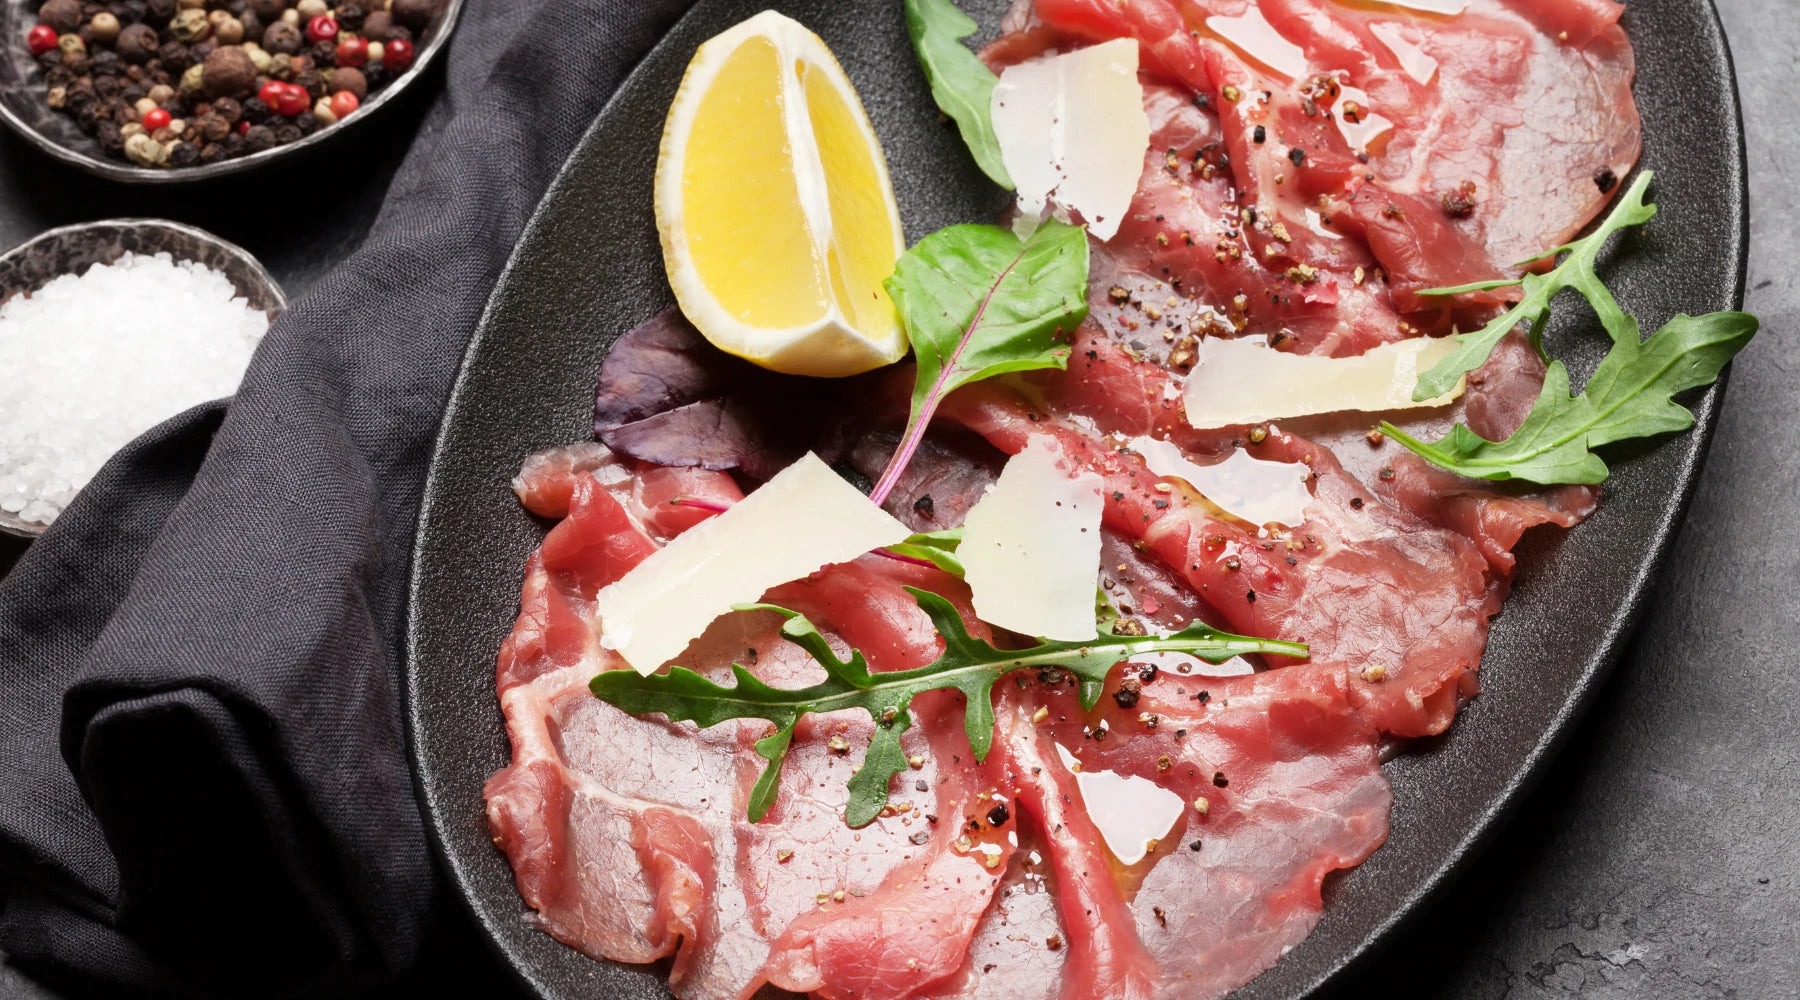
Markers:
<point>1131,813</point>
<point>1244,382</point>
<point>1245,487</point>
<point>1031,546</point>
<point>804,518</point>
<point>1072,130</point>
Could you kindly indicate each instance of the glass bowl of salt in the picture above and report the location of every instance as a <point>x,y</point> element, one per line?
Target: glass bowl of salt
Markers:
<point>107,329</point>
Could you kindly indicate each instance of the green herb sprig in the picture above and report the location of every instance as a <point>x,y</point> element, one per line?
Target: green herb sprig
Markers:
<point>961,84</point>
<point>968,664</point>
<point>977,302</point>
<point>1629,396</point>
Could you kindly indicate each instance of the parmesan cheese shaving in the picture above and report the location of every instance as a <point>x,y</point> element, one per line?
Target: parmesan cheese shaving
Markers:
<point>1131,813</point>
<point>1031,546</point>
<point>1243,382</point>
<point>804,518</point>
<point>1251,489</point>
<point>1072,131</point>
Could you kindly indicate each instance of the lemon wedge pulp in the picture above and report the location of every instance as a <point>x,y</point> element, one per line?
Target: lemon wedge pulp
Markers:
<point>777,217</point>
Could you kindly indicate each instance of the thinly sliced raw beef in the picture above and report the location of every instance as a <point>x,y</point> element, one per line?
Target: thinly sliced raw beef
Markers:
<point>1449,148</point>
<point>628,835</point>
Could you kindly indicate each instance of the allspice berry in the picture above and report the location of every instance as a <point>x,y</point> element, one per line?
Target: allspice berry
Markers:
<point>348,78</point>
<point>190,25</point>
<point>414,14</point>
<point>62,15</point>
<point>282,37</point>
<point>228,71</point>
<point>105,27</point>
<point>137,43</point>
<point>377,25</point>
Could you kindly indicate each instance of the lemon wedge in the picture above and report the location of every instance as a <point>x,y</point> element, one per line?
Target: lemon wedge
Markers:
<point>777,217</point>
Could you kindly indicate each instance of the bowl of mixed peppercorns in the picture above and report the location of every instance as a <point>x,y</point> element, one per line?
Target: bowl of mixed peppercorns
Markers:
<point>177,90</point>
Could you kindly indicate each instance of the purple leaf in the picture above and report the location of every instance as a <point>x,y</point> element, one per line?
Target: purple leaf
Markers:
<point>667,396</point>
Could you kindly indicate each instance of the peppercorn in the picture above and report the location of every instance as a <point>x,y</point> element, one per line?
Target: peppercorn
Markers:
<point>253,25</point>
<point>59,76</point>
<point>375,74</point>
<point>230,31</point>
<point>213,128</point>
<point>154,118</point>
<point>312,82</point>
<point>170,53</point>
<point>193,79</point>
<point>70,46</point>
<point>321,28</point>
<point>255,110</point>
<point>106,62</point>
<point>212,152</point>
<point>281,66</point>
<point>285,134</point>
<point>309,9</point>
<point>997,815</point>
<point>158,11</point>
<point>397,55</point>
<point>104,27</point>
<point>183,154</point>
<point>143,150</point>
<point>111,142</point>
<point>322,112</point>
<point>322,52</point>
<point>342,104</point>
<point>259,138</point>
<point>350,51</point>
<point>228,71</point>
<point>350,16</point>
<point>190,25</point>
<point>349,80</point>
<point>108,87</point>
<point>282,37</point>
<point>293,100</point>
<point>377,25</point>
<point>228,109</point>
<point>57,98</point>
<point>414,14</point>
<point>268,10</point>
<point>62,16</point>
<point>306,122</point>
<point>137,43</point>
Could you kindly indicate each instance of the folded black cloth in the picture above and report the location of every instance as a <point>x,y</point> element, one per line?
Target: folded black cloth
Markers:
<point>204,785</point>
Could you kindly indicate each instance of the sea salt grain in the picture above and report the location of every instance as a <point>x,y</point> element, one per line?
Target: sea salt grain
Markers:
<point>87,363</point>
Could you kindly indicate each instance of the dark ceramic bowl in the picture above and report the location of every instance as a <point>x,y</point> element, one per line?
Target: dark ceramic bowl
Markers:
<point>73,249</point>
<point>23,109</point>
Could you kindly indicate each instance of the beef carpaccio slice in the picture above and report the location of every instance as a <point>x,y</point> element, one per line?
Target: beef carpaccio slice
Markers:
<point>1313,165</point>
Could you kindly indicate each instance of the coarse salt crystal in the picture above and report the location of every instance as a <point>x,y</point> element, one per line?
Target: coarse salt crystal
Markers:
<point>89,362</point>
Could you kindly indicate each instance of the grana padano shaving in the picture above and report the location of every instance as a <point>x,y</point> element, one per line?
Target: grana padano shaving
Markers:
<point>1072,130</point>
<point>804,518</point>
<point>1031,546</point>
<point>1244,382</point>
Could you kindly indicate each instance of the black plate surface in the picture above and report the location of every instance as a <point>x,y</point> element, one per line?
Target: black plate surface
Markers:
<point>589,268</point>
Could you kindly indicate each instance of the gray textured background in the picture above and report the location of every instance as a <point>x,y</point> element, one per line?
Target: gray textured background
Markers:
<point>1661,859</point>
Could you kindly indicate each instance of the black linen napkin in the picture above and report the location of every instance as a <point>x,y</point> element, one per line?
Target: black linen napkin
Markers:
<point>204,784</point>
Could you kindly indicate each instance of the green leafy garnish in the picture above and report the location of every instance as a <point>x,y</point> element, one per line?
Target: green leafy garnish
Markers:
<point>1629,395</point>
<point>977,302</point>
<point>961,84</point>
<point>1576,271</point>
<point>935,547</point>
<point>968,664</point>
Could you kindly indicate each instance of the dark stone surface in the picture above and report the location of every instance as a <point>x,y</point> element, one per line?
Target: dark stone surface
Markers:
<point>1659,859</point>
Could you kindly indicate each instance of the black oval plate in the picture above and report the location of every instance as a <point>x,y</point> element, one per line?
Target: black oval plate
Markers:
<point>590,267</point>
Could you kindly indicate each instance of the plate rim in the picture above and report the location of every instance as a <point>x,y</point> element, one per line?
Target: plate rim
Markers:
<point>1479,836</point>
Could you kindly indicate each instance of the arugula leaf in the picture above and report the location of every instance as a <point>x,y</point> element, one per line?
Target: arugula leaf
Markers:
<point>1628,397</point>
<point>968,664</point>
<point>978,302</point>
<point>935,547</point>
<point>1576,271</point>
<point>961,84</point>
